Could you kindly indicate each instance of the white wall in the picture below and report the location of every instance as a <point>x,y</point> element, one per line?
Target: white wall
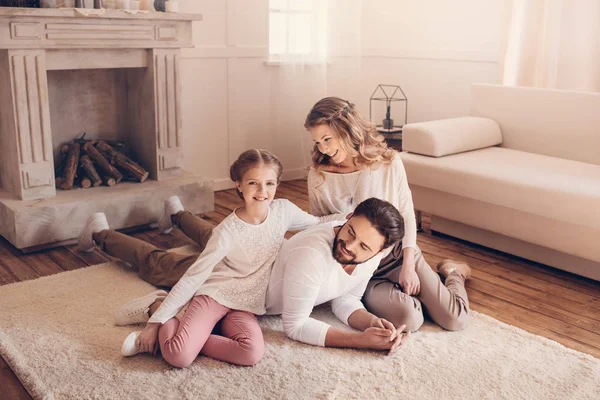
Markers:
<point>233,101</point>
<point>434,49</point>
<point>225,93</point>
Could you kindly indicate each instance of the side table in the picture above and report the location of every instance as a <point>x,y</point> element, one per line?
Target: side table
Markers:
<point>394,140</point>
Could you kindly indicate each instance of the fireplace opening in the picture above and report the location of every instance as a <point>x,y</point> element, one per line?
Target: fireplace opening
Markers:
<point>92,125</point>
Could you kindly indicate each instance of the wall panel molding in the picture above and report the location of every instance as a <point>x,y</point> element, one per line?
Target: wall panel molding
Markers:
<point>225,52</point>
<point>288,175</point>
<point>432,54</point>
<point>419,54</point>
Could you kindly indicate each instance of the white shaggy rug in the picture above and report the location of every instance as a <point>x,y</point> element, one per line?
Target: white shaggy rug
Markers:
<point>57,333</point>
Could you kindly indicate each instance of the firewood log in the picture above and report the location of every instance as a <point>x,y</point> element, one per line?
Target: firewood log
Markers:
<point>81,179</point>
<point>60,162</point>
<point>90,170</point>
<point>119,145</point>
<point>109,181</point>
<point>61,156</point>
<point>101,162</point>
<point>122,162</point>
<point>60,170</point>
<point>85,183</point>
<point>71,166</point>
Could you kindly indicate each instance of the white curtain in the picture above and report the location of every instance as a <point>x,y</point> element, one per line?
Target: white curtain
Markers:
<point>553,44</point>
<point>297,31</point>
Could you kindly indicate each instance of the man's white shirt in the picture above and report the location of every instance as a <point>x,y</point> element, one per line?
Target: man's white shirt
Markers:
<point>305,274</point>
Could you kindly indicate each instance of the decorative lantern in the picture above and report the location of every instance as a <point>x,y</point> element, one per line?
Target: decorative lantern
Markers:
<point>389,94</point>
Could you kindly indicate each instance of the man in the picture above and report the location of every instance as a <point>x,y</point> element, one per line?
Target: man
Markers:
<point>334,263</point>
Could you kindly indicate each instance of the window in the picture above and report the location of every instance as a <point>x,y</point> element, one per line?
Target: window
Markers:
<point>297,30</point>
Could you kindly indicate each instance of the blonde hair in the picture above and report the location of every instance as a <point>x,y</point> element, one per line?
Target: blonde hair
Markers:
<point>358,137</point>
<point>251,159</point>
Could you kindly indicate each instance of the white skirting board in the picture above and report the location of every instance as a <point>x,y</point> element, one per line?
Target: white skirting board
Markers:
<point>288,175</point>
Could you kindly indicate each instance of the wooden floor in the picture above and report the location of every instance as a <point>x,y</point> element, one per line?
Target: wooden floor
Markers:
<point>541,300</point>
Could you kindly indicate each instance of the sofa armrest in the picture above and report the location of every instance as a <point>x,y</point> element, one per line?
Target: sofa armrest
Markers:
<point>450,136</point>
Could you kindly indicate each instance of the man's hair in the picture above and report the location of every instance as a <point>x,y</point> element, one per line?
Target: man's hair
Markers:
<point>384,217</point>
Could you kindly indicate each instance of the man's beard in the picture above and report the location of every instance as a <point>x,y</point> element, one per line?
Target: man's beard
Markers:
<point>337,253</point>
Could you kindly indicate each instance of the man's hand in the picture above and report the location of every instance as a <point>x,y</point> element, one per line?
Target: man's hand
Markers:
<point>402,337</point>
<point>377,338</point>
<point>147,340</point>
<point>385,324</point>
<point>409,280</point>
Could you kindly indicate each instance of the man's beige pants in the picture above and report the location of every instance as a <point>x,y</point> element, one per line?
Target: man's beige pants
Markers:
<point>447,305</point>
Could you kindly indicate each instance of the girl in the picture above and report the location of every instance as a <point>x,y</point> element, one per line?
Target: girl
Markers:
<point>350,163</point>
<point>226,284</point>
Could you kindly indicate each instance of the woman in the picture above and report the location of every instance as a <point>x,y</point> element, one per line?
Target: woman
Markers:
<point>350,163</point>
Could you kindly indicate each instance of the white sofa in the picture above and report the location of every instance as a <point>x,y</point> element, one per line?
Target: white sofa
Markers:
<point>521,174</point>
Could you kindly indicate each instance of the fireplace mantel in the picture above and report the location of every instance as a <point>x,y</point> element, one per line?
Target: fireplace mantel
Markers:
<point>45,28</point>
<point>144,50</point>
<point>108,14</point>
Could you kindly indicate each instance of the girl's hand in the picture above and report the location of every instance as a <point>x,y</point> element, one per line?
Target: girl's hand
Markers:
<point>409,280</point>
<point>147,340</point>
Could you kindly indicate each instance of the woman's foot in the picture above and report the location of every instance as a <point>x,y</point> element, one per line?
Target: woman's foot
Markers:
<point>136,311</point>
<point>448,266</point>
<point>172,206</point>
<point>96,223</point>
<point>129,347</point>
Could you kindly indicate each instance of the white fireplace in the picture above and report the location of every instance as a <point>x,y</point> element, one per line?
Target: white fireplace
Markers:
<point>113,76</point>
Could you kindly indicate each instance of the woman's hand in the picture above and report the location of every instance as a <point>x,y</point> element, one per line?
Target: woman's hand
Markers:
<point>147,340</point>
<point>409,280</point>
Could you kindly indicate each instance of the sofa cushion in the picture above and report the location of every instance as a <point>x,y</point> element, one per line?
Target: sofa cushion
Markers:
<point>450,136</point>
<point>555,188</point>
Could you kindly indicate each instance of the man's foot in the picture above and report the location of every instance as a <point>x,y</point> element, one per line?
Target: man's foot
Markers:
<point>136,311</point>
<point>129,347</point>
<point>172,206</point>
<point>448,266</point>
<point>96,223</point>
